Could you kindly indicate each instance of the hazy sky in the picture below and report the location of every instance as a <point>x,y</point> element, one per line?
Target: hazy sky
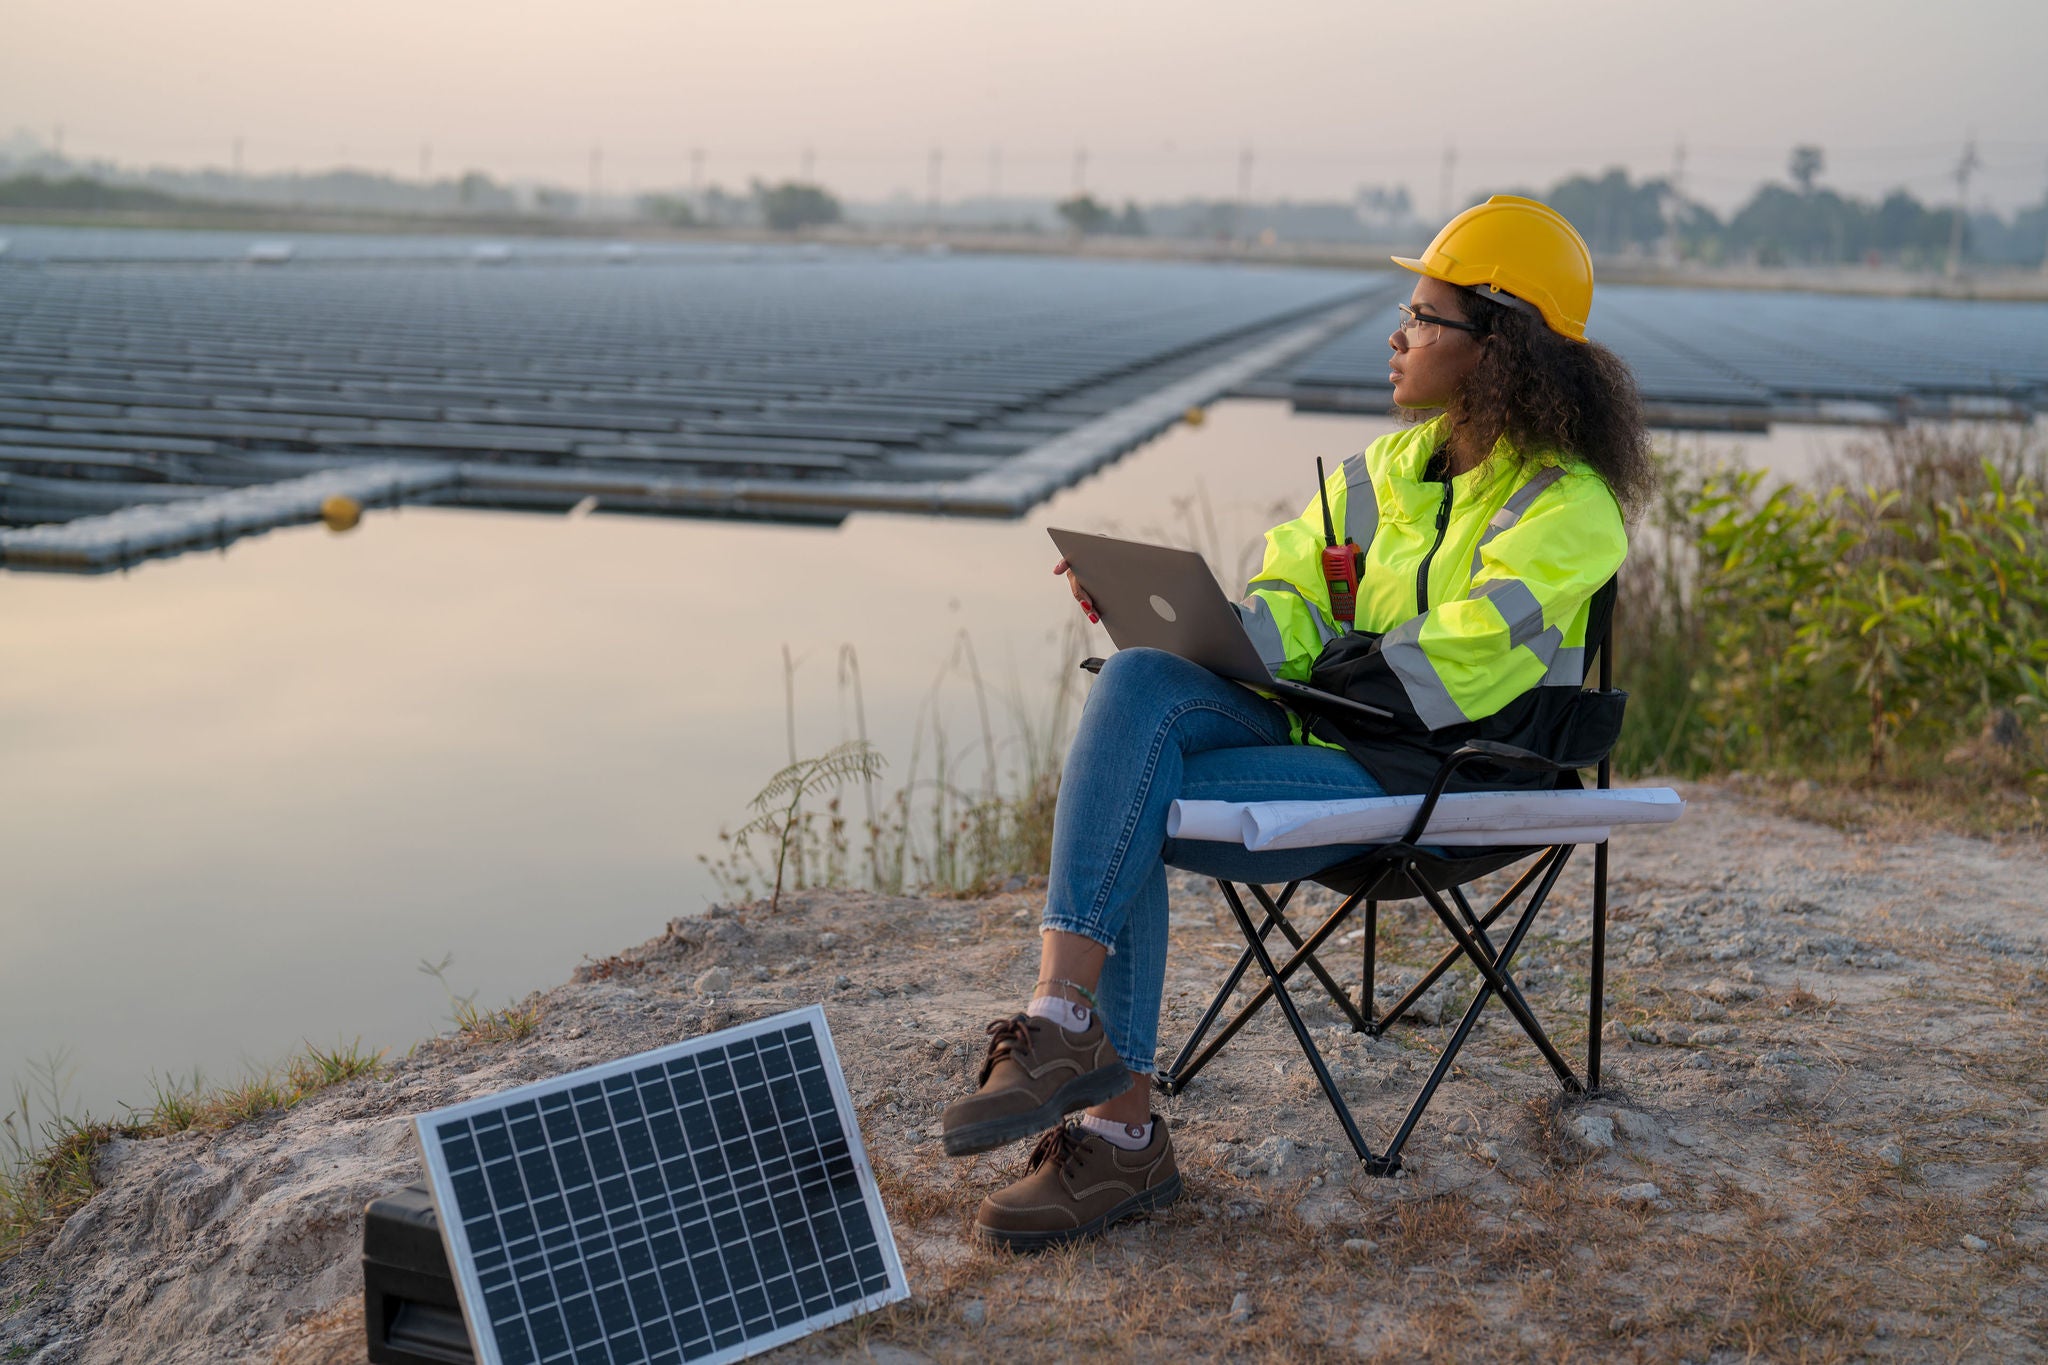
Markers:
<point>1163,96</point>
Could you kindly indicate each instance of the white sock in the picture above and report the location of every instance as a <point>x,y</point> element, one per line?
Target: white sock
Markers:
<point>1132,1137</point>
<point>1068,1015</point>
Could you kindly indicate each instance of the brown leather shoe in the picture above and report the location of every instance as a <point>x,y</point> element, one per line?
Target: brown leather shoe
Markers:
<point>1035,1074</point>
<point>1076,1185</point>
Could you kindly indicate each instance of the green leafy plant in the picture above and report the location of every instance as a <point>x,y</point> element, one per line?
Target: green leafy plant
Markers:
<point>1889,616</point>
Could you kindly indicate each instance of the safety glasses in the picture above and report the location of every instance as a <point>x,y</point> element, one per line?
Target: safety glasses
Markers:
<point>1424,329</point>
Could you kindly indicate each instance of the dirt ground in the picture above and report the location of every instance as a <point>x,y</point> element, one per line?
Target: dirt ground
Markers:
<point>1821,1136</point>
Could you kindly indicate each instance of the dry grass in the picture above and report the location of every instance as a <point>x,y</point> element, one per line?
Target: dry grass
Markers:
<point>1976,800</point>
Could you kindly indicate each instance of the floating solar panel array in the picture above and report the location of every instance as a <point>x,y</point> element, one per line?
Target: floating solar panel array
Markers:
<point>1742,358</point>
<point>792,384</point>
<point>701,1202</point>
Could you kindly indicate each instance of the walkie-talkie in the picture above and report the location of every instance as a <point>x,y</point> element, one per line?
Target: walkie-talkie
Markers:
<point>1341,563</point>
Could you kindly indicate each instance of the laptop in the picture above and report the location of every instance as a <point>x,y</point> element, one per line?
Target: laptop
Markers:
<point>1155,597</point>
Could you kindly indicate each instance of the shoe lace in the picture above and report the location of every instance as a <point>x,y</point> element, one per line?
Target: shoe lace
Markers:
<point>1005,1038</point>
<point>1061,1145</point>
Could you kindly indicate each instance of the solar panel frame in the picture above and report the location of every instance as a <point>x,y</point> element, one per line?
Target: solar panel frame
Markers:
<point>555,1109</point>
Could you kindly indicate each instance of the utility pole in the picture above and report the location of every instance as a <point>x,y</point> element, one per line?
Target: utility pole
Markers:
<point>57,141</point>
<point>237,158</point>
<point>1238,226</point>
<point>933,168</point>
<point>596,176</point>
<point>1445,181</point>
<point>696,171</point>
<point>1080,169</point>
<point>810,160</point>
<point>1964,167</point>
<point>995,172</point>
<point>426,160</point>
<point>1674,208</point>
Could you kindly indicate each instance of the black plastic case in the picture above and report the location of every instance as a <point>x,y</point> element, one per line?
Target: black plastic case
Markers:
<point>410,1308</point>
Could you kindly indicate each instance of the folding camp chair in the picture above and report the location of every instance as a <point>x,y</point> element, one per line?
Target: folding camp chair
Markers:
<point>1413,867</point>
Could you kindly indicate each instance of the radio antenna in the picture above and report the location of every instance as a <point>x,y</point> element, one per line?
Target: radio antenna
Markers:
<point>1323,492</point>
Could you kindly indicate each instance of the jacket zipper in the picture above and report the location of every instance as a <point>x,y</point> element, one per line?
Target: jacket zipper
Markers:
<point>1443,521</point>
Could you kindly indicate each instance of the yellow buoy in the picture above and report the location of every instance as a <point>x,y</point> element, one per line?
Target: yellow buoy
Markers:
<point>1194,417</point>
<point>340,511</point>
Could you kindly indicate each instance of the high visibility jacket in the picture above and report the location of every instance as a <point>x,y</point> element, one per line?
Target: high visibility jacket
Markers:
<point>1477,589</point>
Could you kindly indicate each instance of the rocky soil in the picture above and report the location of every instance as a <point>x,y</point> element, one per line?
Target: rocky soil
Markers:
<point>1822,1136</point>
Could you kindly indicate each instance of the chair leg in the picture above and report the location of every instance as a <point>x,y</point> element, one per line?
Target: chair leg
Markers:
<point>1372,934</point>
<point>1184,1070</point>
<point>1174,1079</point>
<point>1597,992</point>
<point>1492,974</point>
<point>1452,954</point>
<point>1336,992</point>
<point>1449,1056</point>
<point>1275,982</point>
<point>1478,928</point>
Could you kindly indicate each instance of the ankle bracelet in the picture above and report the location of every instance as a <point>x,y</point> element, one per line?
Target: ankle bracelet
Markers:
<point>1086,995</point>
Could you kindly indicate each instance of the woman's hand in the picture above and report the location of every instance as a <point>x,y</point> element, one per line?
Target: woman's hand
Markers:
<point>1080,593</point>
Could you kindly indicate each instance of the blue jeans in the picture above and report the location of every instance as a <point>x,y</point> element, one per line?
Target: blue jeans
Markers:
<point>1157,727</point>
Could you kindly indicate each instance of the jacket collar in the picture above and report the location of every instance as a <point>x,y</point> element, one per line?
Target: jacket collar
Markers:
<point>1417,495</point>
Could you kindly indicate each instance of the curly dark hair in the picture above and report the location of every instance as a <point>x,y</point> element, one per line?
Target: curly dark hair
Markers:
<point>1544,391</point>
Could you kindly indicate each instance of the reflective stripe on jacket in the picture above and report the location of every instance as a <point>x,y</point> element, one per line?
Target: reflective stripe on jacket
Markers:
<point>1504,608</point>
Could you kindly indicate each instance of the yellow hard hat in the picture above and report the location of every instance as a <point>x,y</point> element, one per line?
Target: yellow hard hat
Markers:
<point>1516,246</point>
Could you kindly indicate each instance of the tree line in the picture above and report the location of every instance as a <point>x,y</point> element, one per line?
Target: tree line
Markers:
<point>1803,222</point>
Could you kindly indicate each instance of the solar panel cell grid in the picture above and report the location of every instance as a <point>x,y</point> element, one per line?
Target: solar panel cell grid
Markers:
<point>686,1208</point>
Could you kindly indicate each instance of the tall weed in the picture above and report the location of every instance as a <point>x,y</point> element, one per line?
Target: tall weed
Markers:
<point>938,831</point>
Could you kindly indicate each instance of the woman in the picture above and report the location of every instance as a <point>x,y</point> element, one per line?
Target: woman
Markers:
<point>1484,533</point>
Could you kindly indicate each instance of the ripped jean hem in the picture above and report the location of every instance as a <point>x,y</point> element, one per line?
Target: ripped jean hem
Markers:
<point>1078,928</point>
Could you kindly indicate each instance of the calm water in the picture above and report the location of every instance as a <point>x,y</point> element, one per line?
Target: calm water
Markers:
<point>248,792</point>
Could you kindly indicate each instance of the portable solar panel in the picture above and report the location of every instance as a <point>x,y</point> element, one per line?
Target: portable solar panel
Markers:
<point>700,1202</point>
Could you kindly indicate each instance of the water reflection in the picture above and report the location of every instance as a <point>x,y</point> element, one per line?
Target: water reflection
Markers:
<point>249,791</point>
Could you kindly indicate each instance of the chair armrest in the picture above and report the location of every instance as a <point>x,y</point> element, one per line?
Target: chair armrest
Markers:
<point>1492,751</point>
<point>1507,755</point>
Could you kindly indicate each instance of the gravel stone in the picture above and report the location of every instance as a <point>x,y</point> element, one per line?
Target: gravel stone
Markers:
<point>1594,1133</point>
<point>1972,1242</point>
<point>716,981</point>
<point>1241,1308</point>
<point>1635,1126</point>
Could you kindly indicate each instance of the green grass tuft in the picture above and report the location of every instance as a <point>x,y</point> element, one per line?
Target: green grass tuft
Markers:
<point>47,1155</point>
